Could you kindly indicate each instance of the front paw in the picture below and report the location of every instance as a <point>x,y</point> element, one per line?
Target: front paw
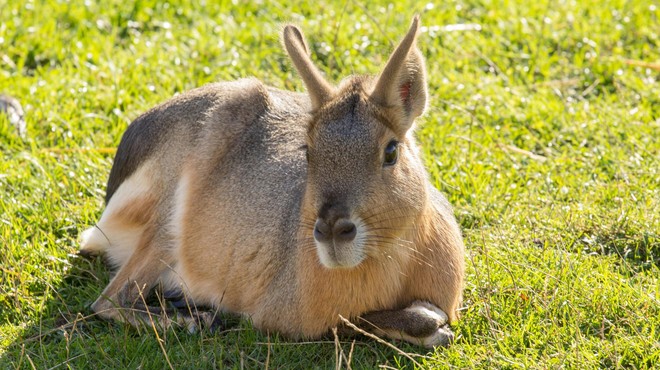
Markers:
<point>442,337</point>
<point>421,323</point>
<point>432,329</point>
<point>428,313</point>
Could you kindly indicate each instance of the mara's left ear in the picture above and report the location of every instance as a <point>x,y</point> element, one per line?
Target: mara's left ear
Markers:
<point>402,83</point>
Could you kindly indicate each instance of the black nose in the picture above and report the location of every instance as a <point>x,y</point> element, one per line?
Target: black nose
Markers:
<point>322,231</point>
<point>342,230</point>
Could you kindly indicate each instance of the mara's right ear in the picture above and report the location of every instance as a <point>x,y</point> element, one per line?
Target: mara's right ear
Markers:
<point>318,89</point>
<point>402,83</point>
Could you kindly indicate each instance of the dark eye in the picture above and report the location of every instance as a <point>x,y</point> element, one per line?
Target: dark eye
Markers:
<point>391,153</point>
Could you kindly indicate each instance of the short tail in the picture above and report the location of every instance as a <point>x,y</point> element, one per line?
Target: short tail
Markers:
<point>93,241</point>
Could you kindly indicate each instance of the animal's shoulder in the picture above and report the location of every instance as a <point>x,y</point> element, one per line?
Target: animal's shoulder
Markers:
<point>246,100</point>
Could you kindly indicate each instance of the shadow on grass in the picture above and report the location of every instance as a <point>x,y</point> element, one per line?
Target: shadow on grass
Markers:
<point>67,334</point>
<point>638,251</point>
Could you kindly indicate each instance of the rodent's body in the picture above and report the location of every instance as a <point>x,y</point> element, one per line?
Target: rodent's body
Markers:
<point>210,193</point>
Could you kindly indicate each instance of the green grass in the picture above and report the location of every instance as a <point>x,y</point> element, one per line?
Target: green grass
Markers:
<point>543,129</point>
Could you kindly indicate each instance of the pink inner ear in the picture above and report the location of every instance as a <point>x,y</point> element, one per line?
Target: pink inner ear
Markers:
<point>404,93</point>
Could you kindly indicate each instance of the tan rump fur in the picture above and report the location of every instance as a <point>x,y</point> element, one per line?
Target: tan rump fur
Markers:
<point>124,219</point>
<point>291,209</point>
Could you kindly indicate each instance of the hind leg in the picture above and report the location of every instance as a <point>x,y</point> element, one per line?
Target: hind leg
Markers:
<point>125,297</point>
<point>132,283</point>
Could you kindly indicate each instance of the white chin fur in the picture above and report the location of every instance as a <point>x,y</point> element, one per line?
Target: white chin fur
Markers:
<point>343,256</point>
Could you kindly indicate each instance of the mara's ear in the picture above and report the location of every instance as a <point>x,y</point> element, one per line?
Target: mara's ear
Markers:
<point>402,83</point>
<point>318,89</point>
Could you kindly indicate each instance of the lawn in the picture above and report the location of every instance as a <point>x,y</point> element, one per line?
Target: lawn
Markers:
<point>543,130</point>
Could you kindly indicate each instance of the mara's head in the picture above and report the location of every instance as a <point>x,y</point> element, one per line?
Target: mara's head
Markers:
<point>366,186</point>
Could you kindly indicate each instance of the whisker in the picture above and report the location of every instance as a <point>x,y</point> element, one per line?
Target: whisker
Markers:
<point>390,238</point>
<point>389,219</point>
